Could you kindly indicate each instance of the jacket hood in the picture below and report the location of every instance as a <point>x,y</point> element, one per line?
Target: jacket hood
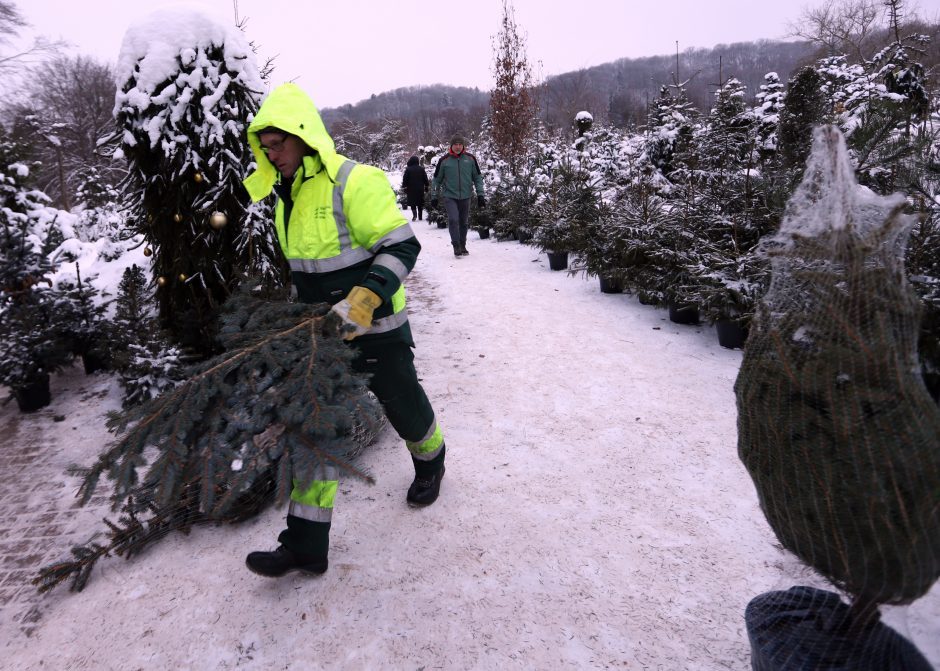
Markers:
<point>291,110</point>
<point>413,160</point>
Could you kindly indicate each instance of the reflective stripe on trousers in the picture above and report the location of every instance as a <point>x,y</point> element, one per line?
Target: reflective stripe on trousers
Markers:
<point>315,502</point>
<point>428,447</point>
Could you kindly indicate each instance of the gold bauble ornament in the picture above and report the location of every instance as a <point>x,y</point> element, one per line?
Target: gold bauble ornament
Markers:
<point>148,251</point>
<point>161,281</point>
<point>218,220</point>
<point>183,277</point>
<point>177,217</point>
<point>197,177</point>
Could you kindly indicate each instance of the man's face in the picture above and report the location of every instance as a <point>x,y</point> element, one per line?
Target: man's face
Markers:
<point>457,147</point>
<point>285,151</point>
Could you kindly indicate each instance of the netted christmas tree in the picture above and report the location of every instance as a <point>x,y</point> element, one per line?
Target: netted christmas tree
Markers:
<point>280,403</point>
<point>835,424</point>
<point>190,86</point>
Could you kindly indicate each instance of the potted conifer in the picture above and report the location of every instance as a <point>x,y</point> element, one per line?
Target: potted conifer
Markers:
<point>81,321</point>
<point>29,349</point>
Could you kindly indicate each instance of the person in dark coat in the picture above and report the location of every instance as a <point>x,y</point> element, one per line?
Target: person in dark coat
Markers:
<point>415,183</point>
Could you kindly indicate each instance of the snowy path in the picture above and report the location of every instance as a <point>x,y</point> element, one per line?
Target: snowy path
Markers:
<point>594,513</point>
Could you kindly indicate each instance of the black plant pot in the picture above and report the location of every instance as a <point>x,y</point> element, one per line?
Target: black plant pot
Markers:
<point>441,224</point>
<point>731,334</point>
<point>33,396</point>
<point>557,260</point>
<point>93,363</point>
<point>484,233</point>
<point>646,299</point>
<point>611,285</point>
<point>683,314</point>
<point>523,236</point>
<point>805,629</point>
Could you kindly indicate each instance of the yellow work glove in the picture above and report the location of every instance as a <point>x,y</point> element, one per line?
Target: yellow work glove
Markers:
<point>356,311</point>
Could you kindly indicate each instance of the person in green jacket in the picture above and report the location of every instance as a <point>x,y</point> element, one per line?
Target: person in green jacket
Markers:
<point>456,176</point>
<point>347,245</point>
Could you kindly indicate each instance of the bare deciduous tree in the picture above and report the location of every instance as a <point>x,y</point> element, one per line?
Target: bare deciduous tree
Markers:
<point>70,101</point>
<point>841,26</point>
<point>512,106</point>
<point>11,24</point>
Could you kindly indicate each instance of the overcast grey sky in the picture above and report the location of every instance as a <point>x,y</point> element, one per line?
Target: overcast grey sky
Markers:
<point>342,51</point>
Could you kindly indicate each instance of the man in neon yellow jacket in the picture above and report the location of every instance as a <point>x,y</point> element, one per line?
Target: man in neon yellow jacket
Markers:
<point>348,245</point>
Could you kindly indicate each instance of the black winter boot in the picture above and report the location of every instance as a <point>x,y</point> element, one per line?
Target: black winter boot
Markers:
<point>457,251</point>
<point>463,248</point>
<point>427,483</point>
<point>277,563</point>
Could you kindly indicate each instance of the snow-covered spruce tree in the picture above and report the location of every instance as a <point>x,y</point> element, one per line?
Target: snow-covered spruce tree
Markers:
<point>279,404</point>
<point>189,88</point>
<point>766,113</point>
<point>80,319</point>
<point>146,362</point>
<point>498,182</point>
<point>672,149</point>
<point>553,219</point>
<point>31,346</point>
<point>805,105</point>
<point>669,133</point>
<point>727,276</point>
<point>615,245</point>
<point>100,215</point>
<point>883,108</point>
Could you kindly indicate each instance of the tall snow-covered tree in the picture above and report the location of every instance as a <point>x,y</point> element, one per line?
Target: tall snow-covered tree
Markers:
<point>190,86</point>
<point>670,130</point>
<point>767,115</point>
<point>729,219</point>
<point>805,107</point>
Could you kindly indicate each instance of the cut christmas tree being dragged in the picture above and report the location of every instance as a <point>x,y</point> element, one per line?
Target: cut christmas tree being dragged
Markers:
<point>280,404</point>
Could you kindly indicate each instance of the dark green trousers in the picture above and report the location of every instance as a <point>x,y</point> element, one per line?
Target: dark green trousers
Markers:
<point>394,382</point>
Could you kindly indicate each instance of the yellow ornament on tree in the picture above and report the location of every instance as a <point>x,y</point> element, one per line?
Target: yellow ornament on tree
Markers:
<point>161,281</point>
<point>177,217</point>
<point>218,220</point>
<point>197,178</point>
<point>183,277</point>
<point>148,251</point>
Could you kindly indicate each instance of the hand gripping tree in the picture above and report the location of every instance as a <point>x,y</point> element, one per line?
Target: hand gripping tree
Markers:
<point>836,426</point>
<point>190,86</point>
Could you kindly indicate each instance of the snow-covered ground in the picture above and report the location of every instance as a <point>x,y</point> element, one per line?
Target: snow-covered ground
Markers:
<point>594,513</point>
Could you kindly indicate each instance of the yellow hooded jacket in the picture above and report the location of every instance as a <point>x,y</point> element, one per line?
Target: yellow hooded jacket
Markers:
<point>338,222</point>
